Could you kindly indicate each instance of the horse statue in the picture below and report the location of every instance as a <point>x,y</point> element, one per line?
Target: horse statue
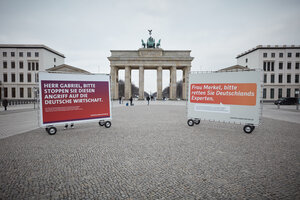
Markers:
<point>150,42</point>
<point>158,44</point>
<point>143,43</point>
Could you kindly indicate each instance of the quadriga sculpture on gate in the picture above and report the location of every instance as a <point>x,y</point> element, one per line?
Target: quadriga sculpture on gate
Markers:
<point>151,42</point>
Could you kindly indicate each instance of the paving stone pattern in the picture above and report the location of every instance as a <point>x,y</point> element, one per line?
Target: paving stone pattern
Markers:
<point>151,153</point>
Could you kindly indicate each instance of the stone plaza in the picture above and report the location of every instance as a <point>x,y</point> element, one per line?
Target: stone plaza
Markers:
<point>151,153</point>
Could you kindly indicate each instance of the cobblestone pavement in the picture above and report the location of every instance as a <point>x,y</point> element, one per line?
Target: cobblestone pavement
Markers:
<point>151,153</point>
<point>22,118</point>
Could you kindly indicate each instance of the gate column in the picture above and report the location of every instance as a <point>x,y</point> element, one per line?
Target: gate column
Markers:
<point>116,83</point>
<point>185,76</point>
<point>173,82</point>
<point>141,83</point>
<point>159,83</point>
<point>127,82</point>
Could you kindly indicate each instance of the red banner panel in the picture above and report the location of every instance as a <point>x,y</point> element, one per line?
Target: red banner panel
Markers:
<point>64,101</point>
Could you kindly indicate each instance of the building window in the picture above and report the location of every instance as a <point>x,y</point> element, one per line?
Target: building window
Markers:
<point>265,78</point>
<point>29,92</point>
<point>28,54</point>
<point>288,78</point>
<point>29,66</point>
<point>37,66</point>
<point>21,77</point>
<point>296,78</point>
<point>13,77</point>
<point>273,55</point>
<point>28,77</point>
<point>280,78</point>
<point>13,64</point>
<point>21,92</point>
<point>13,92</point>
<point>281,55</point>
<point>289,55</point>
<point>36,77</point>
<point>280,65</point>
<point>4,64</point>
<point>20,54</point>
<point>12,54</point>
<point>265,55</point>
<point>272,78</point>
<point>297,65</point>
<point>264,93</point>
<point>21,64</point>
<point>268,66</point>
<point>5,92</point>
<point>246,60</point>
<point>296,91</point>
<point>279,92</point>
<point>4,77</point>
<point>36,54</point>
<point>297,54</point>
<point>32,66</point>
<point>4,54</point>
<point>289,65</point>
<point>272,66</point>
<point>272,93</point>
<point>288,92</point>
<point>54,59</point>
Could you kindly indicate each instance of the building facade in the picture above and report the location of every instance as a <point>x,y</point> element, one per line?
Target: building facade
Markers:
<point>19,67</point>
<point>280,65</point>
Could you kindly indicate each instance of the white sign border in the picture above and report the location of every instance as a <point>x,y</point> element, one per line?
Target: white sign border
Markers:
<point>71,77</point>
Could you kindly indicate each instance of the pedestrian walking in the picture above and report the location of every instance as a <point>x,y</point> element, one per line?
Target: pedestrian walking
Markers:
<point>131,101</point>
<point>5,103</point>
<point>148,99</point>
<point>120,99</point>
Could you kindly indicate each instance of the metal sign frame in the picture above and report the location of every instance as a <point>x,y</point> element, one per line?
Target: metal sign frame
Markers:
<point>98,79</point>
<point>222,97</point>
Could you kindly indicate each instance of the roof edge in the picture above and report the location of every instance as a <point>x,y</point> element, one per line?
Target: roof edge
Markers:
<point>32,46</point>
<point>268,47</point>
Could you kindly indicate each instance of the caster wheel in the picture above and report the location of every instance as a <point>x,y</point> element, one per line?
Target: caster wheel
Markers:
<point>52,130</point>
<point>107,124</point>
<point>248,129</point>
<point>190,122</point>
<point>197,121</point>
<point>101,123</point>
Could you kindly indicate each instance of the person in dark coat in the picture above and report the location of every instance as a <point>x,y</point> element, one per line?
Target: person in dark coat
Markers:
<point>148,99</point>
<point>5,104</point>
<point>120,99</point>
<point>131,101</point>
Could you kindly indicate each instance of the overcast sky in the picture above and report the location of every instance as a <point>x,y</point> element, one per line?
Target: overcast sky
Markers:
<point>86,31</point>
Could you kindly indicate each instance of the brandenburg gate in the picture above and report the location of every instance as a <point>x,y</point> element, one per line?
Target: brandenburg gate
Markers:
<point>148,58</point>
